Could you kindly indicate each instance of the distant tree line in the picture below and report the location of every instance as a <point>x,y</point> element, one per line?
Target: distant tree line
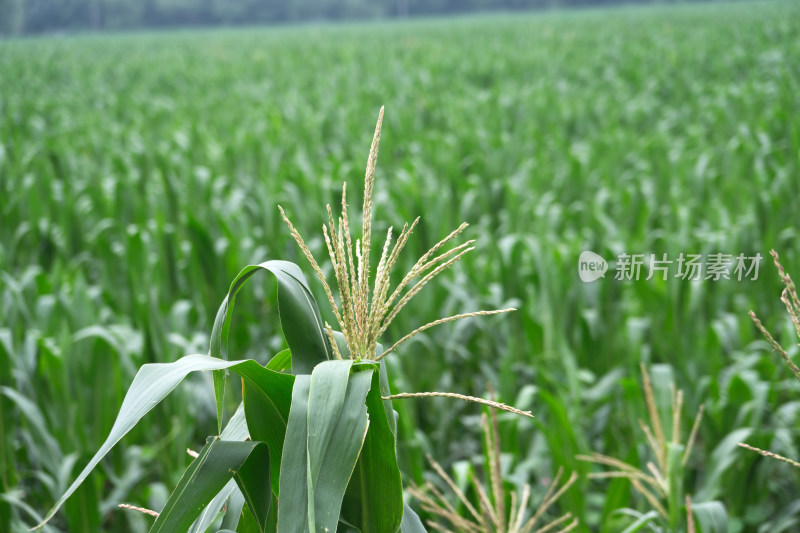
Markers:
<point>37,16</point>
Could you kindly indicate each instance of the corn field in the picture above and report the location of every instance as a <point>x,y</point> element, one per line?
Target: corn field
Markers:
<point>140,172</point>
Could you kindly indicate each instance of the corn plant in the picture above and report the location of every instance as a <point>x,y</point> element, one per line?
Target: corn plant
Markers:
<point>312,446</point>
<point>489,514</point>
<point>661,483</point>
<point>792,303</point>
<point>140,172</point>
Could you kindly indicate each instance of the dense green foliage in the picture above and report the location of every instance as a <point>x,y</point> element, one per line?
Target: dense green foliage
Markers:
<point>139,173</point>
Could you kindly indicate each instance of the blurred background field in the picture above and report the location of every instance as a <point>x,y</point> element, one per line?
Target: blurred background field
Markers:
<point>139,172</point>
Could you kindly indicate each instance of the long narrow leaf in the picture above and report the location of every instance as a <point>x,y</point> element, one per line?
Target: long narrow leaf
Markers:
<point>411,522</point>
<point>236,505</point>
<point>236,430</point>
<point>711,517</point>
<point>218,462</point>
<point>642,521</point>
<point>210,512</point>
<point>374,498</point>
<point>385,392</point>
<point>267,398</point>
<point>341,450</point>
<point>299,315</point>
<point>152,384</point>
<point>316,477</point>
<point>293,501</point>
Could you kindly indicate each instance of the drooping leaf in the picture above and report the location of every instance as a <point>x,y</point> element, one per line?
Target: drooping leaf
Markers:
<point>152,384</point>
<point>299,315</point>
<point>218,462</point>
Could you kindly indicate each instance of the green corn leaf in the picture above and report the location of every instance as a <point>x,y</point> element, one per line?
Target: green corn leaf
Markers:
<point>236,506</point>
<point>329,414</point>
<point>331,467</point>
<point>152,384</point>
<point>281,362</point>
<point>267,398</point>
<point>642,520</point>
<point>82,510</point>
<point>374,498</point>
<point>384,377</point>
<point>386,391</point>
<point>238,516</point>
<point>247,523</point>
<point>33,414</point>
<point>210,512</point>
<point>218,462</point>
<point>300,322</point>
<point>236,430</point>
<point>411,522</point>
<point>722,458</point>
<point>293,500</point>
<point>710,517</point>
<point>675,476</point>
